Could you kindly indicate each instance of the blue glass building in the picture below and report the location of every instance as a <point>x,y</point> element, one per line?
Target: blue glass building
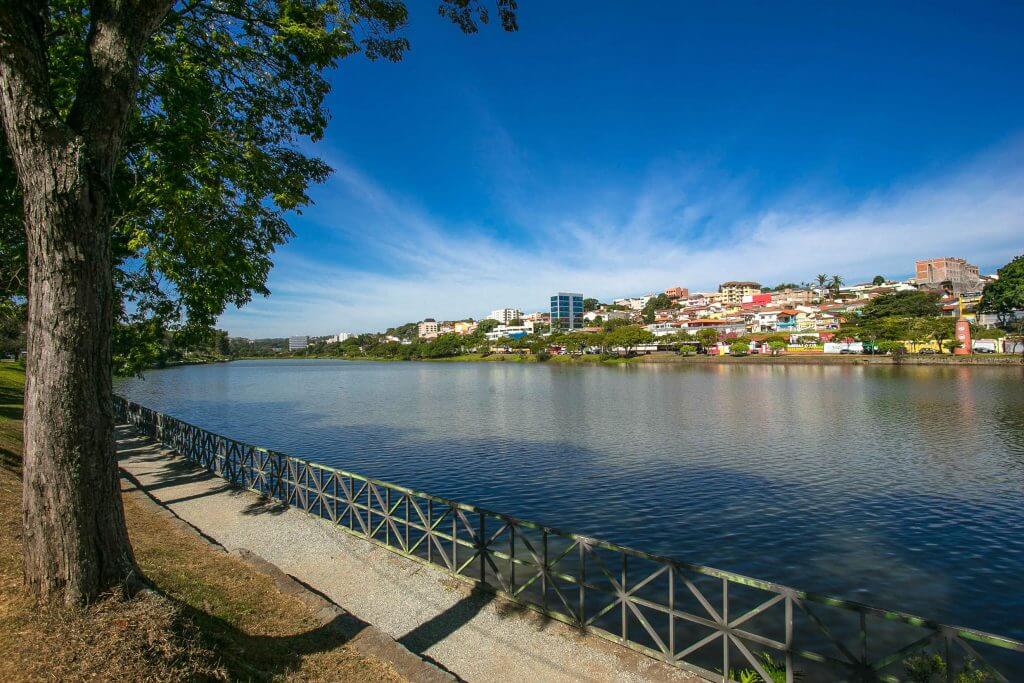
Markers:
<point>566,311</point>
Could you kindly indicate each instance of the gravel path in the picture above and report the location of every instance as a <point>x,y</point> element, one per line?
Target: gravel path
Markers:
<point>475,636</point>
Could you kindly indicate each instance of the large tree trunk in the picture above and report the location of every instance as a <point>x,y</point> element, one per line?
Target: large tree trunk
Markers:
<point>75,542</point>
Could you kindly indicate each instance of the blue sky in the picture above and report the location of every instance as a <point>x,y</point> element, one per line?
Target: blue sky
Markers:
<point>616,151</point>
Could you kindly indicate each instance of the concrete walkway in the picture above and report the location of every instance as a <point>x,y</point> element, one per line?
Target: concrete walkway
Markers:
<point>477,637</point>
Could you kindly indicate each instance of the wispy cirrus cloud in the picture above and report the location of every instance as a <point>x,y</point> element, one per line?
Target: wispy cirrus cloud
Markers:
<point>683,225</point>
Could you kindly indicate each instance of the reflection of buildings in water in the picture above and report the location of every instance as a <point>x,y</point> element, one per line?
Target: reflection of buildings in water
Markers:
<point>967,412</point>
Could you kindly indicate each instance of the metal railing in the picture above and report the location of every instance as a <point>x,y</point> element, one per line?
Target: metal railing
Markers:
<point>718,624</point>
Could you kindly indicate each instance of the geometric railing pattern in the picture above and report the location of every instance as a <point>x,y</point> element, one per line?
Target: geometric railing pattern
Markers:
<point>718,624</point>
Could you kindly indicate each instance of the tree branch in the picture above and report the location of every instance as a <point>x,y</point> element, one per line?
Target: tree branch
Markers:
<point>26,109</point>
<point>117,38</point>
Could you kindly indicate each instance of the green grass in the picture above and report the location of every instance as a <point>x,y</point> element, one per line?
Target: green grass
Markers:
<point>213,616</point>
<point>12,387</point>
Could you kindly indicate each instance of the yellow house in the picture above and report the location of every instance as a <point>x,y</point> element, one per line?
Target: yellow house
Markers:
<point>914,347</point>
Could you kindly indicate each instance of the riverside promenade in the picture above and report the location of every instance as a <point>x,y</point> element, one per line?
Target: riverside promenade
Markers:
<point>474,636</point>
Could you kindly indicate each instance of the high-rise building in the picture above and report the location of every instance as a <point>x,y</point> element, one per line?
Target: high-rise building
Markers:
<point>506,315</point>
<point>298,343</point>
<point>733,292</point>
<point>566,311</point>
<point>961,275</point>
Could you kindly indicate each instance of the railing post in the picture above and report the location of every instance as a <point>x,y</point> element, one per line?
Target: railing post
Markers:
<point>430,530</point>
<point>481,548</point>
<point>725,634</point>
<point>789,639</point>
<point>544,569</point>
<point>671,614</point>
<point>622,587</point>
<point>512,558</point>
<point>582,578</point>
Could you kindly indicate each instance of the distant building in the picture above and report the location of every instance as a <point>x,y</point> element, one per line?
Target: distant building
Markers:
<point>591,316</point>
<point>340,337</point>
<point>566,311</point>
<point>636,303</point>
<point>677,293</point>
<point>506,315</point>
<point>961,275</point>
<point>793,297</point>
<point>509,331</point>
<point>757,299</point>
<point>732,293</point>
<point>427,329</point>
<point>298,343</point>
<point>464,327</point>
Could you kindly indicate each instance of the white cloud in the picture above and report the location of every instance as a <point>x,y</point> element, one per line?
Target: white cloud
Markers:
<point>676,230</point>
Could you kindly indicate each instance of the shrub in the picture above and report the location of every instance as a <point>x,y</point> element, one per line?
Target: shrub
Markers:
<point>739,348</point>
<point>891,347</point>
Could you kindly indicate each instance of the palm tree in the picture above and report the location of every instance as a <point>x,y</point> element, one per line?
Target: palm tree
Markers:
<point>835,284</point>
<point>822,281</point>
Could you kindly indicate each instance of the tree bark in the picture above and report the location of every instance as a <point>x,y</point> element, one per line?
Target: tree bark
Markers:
<point>75,541</point>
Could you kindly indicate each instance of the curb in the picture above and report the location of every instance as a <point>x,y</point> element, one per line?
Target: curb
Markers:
<point>364,638</point>
<point>369,640</point>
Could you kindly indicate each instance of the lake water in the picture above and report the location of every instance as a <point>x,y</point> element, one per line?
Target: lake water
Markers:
<point>897,486</point>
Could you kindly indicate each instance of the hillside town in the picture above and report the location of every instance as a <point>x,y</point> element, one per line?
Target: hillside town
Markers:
<point>819,316</point>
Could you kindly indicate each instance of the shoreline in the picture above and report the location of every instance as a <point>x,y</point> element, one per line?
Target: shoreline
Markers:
<point>977,360</point>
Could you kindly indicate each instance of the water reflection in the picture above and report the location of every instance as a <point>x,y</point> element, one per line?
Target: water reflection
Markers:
<point>902,486</point>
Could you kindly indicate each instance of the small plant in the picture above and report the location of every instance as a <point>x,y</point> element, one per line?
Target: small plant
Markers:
<point>926,668</point>
<point>542,356</point>
<point>776,671</point>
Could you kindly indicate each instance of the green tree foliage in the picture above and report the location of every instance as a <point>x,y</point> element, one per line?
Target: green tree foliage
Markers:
<point>12,327</point>
<point>878,280</point>
<point>487,325</point>
<point>13,275</point>
<point>943,330</point>
<point>739,348</point>
<point>895,348</point>
<point>835,283</point>
<point>406,331</point>
<point>628,337</point>
<point>916,304</point>
<point>1005,295</point>
<point>213,160</point>
<point>707,337</point>
<point>590,304</point>
<point>615,323</point>
<point>656,303</point>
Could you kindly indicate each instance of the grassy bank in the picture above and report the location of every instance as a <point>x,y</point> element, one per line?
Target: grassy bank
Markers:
<point>213,618</point>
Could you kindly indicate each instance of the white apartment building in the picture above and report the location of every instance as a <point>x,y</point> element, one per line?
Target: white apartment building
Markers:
<point>298,343</point>
<point>635,303</point>
<point>591,316</point>
<point>340,337</point>
<point>510,331</point>
<point>427,329</point>
<point>506,315</point>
